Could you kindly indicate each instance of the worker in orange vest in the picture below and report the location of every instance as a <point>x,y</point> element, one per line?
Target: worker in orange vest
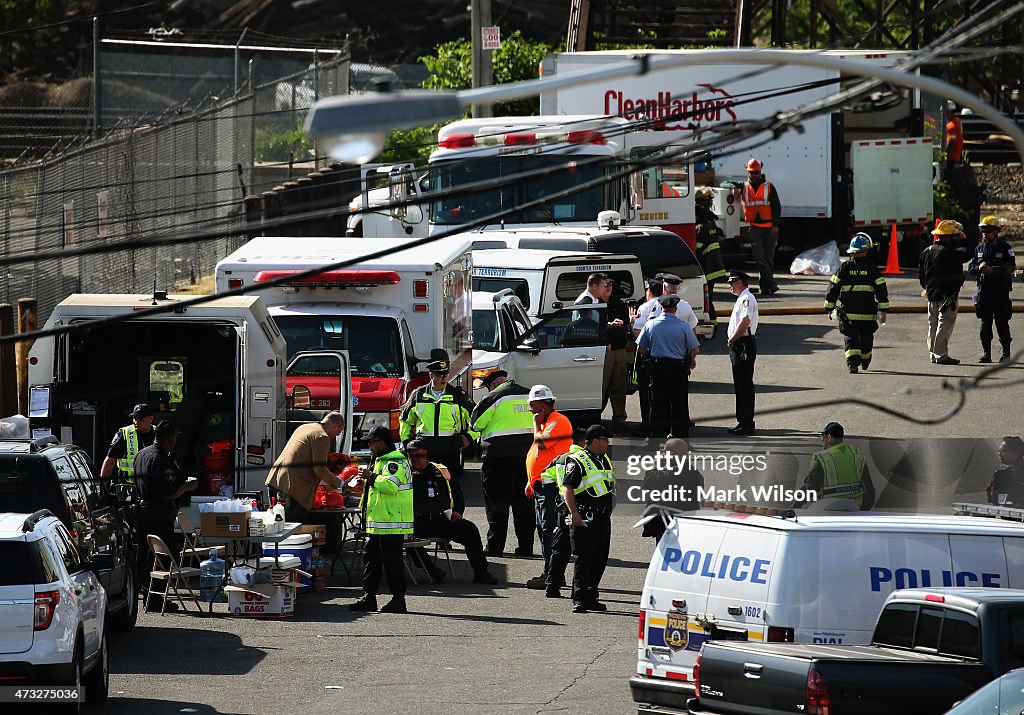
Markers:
<point>954,137</point>
<point>762,211</point>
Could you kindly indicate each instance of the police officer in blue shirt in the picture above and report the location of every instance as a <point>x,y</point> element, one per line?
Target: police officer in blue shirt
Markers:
<point>673,349</point>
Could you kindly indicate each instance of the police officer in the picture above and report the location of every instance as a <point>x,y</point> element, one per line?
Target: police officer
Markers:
<point>437,517</point>
<point>742,344</point>
<point>762,211</point>
<point>588,494</point>
<point>673,349</point>
<point>709,250</point>
<point>993,266</point>
<point>161,483</point>
<point>554,514</point>
<point>670,283</point>
<point>686,483</point>
<point>128,442</point>
<point>840,471</point>
<point>388,505</point>
<point>641,364</point>
<point>857,293</point>
<point>1007,486</point>
<point>438,413</point>
<point>504,425</point>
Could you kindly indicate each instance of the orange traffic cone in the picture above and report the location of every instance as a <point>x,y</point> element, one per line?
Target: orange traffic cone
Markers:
<point>892,264</point>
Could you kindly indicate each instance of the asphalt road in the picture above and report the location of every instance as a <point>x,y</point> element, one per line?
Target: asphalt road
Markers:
<point>506,649</point>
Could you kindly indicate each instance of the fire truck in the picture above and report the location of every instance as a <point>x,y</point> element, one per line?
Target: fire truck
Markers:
<point>484,166</point>
<point>392,314</point>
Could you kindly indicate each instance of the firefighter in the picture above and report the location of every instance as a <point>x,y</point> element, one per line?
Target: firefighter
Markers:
<point>840,471</point>
<point>858,295</point>
<point>762,211</point>
<point>709,251</point>
<point>503,424</point>
<point>993,265</point>
<point>438,414</point>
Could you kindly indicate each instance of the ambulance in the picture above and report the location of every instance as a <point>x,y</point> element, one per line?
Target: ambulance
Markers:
<point>768,575</point>
<point>392,314</point>
<point>216,370</point>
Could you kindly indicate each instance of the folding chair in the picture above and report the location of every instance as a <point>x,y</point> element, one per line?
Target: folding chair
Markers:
<point>439,544</point>
<point>167,569</point>
<point>192,551</point>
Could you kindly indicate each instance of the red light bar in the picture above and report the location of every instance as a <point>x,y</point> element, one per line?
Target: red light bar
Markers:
<point>515,139</point>
<point>586,136</point>
<point>934,598</point>
<point>339,278</point>
<point>457,141</point>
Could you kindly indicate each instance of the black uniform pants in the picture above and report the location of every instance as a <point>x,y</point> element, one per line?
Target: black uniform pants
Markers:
<point>670,393</point>
<point>994,308</point>
<point>742,356</point>
<point>643,386</point>
<point>712,315</point>
<point>561,548</point>
<point>860,340</point>
<point>504,483</point>
<point>590,543</point>
<point>161,523</point>
<point>384,555</point>
<point>461,531</point>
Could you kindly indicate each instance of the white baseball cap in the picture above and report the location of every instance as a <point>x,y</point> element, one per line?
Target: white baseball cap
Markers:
<point>541,392</point>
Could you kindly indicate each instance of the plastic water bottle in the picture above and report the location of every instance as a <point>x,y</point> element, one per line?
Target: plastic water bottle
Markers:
<point>211,577</point>
<point>279,512</point>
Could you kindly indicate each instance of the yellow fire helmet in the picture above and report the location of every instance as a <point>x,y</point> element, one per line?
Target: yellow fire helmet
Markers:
<point>946,228</point>
<point>989,222</point>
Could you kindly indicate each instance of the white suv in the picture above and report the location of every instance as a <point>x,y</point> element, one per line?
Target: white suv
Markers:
<point>52,608</point>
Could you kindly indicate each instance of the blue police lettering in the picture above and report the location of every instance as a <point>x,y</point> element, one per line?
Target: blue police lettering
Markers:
<point>732,568</point>
<point>913,578</point>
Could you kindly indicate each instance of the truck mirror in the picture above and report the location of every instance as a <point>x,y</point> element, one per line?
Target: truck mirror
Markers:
<point>413,214</point>
<point>300,398</point>
<point>528,346</point>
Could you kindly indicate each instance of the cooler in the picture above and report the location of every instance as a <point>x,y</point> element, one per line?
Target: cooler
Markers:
<point>218,465</point>
<point>300,545</point>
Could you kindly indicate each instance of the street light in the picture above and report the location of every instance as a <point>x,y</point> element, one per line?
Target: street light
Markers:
<point>354,128</point>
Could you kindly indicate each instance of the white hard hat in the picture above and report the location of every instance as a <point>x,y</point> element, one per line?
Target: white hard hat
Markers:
<point>966,112</point>
<point>541,392</point>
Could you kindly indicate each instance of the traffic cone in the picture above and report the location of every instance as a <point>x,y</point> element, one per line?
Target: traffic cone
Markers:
<point>892,264</point>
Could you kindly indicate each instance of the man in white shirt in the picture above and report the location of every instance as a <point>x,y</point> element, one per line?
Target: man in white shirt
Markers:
<point>670,285</point>
<point>742,350</point>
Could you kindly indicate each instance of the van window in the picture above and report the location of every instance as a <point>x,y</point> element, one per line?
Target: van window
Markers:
<point>570,285</point>
<point>485,330</point>
<point>519,286</point>
<point>372,342</point>
<point>896,625</point>
<point>67,551</point>
<point>166,383</point>
<point>960,635</point>
<point>581,245</point>
<point>929,623</point>
<point>569,328</point>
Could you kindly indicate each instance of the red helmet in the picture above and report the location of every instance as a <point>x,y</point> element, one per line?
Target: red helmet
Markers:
<point>350,471</point>
<point>753,165</point>
<point>334,500</point>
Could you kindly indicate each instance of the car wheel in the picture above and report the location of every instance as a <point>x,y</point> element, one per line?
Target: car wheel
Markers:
<point>76,681</point>
<point>125,619</point>
<point>97,680</point>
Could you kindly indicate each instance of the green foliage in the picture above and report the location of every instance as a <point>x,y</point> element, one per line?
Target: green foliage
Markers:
<point>274,145</point>
<point>24,48</point>
<point>409,145</point>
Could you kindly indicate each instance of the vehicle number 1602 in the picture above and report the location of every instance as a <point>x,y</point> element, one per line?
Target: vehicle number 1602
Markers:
<point>752,612</point>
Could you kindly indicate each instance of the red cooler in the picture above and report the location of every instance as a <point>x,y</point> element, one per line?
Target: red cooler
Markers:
<point>218,465</point>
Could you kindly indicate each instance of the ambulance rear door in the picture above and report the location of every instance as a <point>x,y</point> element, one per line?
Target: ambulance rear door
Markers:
<point>320,382</point>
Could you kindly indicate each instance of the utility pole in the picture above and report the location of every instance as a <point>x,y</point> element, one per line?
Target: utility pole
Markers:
<point>483,72</point>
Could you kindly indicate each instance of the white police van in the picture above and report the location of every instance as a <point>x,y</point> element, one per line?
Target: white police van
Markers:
<point>784,576</point>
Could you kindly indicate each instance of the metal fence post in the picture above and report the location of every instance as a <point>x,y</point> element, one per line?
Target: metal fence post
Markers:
<point>27,321</point>
<point>97,105</point>
<point>8,365</point>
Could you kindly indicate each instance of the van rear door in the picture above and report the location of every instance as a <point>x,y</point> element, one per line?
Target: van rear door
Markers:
<point>327,377</point>
<point>738,604</point>
<point>565,278</point>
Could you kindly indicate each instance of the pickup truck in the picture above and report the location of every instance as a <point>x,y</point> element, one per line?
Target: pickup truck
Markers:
<point>930,649</point>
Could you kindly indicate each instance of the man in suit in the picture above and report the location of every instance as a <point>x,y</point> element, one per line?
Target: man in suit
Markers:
<point>302,465</point>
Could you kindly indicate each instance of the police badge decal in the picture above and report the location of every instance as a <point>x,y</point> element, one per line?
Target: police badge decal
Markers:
<point>676,632</point>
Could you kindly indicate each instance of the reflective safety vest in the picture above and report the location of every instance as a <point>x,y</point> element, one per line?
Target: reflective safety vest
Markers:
<point>596,481</point>
<point>425,417</point>
<point>505,412</point>
<point>843,466</point>
<point>126,464</point>
<point>389,508</point>
<point>555,472</point>
<point>757,210</point>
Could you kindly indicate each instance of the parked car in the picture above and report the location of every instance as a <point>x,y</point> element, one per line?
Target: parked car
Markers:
<point>52,608</point>
<point>45,474</point>
<point>1003,696</point>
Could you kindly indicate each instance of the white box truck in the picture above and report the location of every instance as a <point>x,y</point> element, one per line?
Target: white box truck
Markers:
<point>216,370</point>
<point>810,165</point>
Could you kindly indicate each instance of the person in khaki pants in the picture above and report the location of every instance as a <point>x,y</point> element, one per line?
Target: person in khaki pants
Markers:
<point>941,273</point>
<point>302,465</point>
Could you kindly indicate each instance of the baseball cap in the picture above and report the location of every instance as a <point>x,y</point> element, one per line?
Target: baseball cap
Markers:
<point>597,431</point>
<point>165,427</point>
<point>414,445</point>
<point>833,429</point>
<point>541,392</point>
<point>380,432</point>
<point>486,382</point>
<point>142,410</point>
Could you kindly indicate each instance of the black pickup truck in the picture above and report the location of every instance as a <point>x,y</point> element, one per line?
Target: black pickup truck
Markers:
<point>930,648</point>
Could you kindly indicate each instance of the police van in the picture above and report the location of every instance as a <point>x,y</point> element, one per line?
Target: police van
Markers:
<point>790,577</point>
<point>547,281</point>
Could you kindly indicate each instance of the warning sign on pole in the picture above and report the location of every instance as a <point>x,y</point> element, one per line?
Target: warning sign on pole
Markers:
<point>491,37</point>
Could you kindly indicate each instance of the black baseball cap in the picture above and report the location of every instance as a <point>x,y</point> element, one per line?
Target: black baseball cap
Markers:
<point>486,382</point>
<point>414,445</point>
<point>165,427</point>
<point>142,410</point>
<point>833,429</point>
<point>380,432</point>
<point>597,432</point>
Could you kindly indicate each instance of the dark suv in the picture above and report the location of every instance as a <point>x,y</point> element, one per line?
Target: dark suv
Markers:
<point>45,474</point>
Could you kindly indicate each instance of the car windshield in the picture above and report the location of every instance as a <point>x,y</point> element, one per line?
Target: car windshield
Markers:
<point>463,207</point>
<point>485,329</point>
<point>373,343</point>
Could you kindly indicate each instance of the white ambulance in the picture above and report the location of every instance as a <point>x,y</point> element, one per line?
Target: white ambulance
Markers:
<point>392,314</point>
<point>789,577</point>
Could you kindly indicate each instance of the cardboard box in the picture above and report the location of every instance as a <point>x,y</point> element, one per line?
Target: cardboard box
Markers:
<point>224,524</point>
<point>265,600</point>
<point>319,532</point>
